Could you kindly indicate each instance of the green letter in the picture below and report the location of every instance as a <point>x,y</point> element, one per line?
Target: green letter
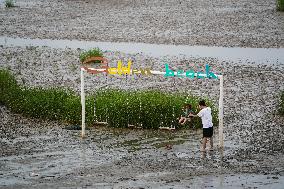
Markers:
<point>180,73</point>
<point>169,72</point>
<point>190,74</point>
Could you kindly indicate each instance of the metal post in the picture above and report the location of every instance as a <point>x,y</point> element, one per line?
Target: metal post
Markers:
<point>221,113</point>
<point>83,102</point>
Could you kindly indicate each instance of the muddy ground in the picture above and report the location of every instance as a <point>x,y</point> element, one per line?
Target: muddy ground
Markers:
<point>38,154</point>
<point>254,23</point>
<point>44,154</point>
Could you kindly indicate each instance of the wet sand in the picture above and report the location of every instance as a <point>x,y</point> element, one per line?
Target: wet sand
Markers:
<point>220,23</point>
<point>45,155</point>
<point>39,154</point>
<point>42,154</point>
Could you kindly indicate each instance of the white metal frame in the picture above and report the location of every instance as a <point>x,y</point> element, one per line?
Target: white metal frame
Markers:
<point>221,99</point>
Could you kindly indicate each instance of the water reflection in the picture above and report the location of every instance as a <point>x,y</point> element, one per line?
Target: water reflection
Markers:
<point>236,54</point>
<point>234,181</point>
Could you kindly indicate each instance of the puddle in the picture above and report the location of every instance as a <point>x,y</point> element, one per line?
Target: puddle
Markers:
<point>60,161</point>
<point>154,174</point>
<point>118,157</point>
<point>236,54</point>
<point>208,181</point>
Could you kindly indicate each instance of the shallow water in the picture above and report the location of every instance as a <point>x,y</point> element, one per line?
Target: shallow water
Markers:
<point>103,146</point>
<point>232,181</point>
<point>236,54</point>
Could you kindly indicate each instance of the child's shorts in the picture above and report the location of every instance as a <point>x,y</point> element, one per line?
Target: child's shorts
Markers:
<point>208,132</point>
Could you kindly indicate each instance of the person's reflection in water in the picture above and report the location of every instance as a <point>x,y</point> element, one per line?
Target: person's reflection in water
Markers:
<point>211,155</point>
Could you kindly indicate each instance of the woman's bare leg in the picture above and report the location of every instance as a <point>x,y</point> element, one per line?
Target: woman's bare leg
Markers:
<point>203,147</point>
<point>211,143</point>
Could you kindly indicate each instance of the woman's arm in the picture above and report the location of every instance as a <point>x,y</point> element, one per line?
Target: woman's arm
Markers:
<point>192,115</point>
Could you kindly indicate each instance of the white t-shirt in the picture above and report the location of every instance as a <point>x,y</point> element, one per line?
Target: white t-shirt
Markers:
<point>206,117</point>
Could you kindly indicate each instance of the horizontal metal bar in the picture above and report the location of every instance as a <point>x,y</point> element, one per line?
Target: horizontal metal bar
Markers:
<point>154,72</point>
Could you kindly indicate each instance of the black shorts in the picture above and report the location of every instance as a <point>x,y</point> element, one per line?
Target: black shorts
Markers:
<point>208,132</point>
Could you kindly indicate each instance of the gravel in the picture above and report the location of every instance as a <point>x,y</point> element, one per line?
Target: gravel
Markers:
<point>224,23</point>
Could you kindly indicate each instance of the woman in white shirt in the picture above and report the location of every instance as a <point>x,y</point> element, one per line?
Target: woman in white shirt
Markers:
<point>206,117</point>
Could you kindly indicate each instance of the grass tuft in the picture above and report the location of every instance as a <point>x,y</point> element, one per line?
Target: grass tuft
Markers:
<point>9,3</point>
<point>96,52</point>
<point>280,5</point>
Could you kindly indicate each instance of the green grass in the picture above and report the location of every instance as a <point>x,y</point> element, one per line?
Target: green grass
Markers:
<point>149,109</point>
<point>51,104</point>
<point>9,3</point>
<point>96,52</point>
<point>280,5</point>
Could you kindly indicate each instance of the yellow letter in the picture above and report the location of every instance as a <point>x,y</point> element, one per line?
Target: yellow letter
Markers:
<point>134,71</point>
<point>112,71</point>
<point>126,70</point>
<point>148,71</point>
<point>119,64</point>
<point>145,71</point>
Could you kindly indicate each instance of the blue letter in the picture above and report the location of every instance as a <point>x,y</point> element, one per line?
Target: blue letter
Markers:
<point>169,72</point>
<point>180,73</point>
<point>190,74</point>
<point>200,75</point>
<point>208,73</point>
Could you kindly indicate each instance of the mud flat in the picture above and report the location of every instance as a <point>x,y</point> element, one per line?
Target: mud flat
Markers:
<point>220,23</point>
<point>39,154</point>
<point>44,154</point>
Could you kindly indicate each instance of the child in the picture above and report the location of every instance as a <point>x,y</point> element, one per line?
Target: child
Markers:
<point>206,117</point>
<point>187,109</point>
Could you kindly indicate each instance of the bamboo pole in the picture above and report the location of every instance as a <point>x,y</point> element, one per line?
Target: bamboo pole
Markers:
<point>83,102</point>
<point>221,113</point>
